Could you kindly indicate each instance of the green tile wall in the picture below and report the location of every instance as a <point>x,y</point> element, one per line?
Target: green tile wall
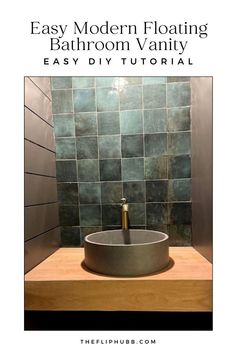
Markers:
<point>123,136</point>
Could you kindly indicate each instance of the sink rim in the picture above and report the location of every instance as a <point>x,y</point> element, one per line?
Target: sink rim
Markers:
<point>165,238</point>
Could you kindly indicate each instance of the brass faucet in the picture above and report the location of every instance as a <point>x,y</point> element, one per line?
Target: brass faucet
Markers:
<point>124,214</point>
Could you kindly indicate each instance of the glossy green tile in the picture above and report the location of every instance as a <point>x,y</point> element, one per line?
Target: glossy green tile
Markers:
<point>65,148</point>
<point>180,190</point>
<point>70,236</point>
<point>131,122</point>
<point>178,94</point>
<point>155,144</point>
<point>69,215</point>
<point>179,119</point>
<point>61,82</point>
<point>66,171</point>
<point>179,143</point>
<point>84,100</point>
<point>180,213</point>
<point>67,193</point>
<point>86,124</point>
<point>111,214</point>
<point>178,78</point>
<point>107,81</point>
<point>155,120</point>
<point>157,213</point>
<point>83,82</point>
<point>136,214</point>
<point>157,191</point>
<point>109,146</point>
<point>134,191</point>
<point>130,80</point>
<point>132,145</point>
<point>180,235</point>
<point>154,96</point>
<point>130,97</point>
<point>111,192</point>
<point>179,166</point>
<point>110,170</point>
<point>133,169</point>
<point>108,123</point>
<point>62,101</point>
<point>88,170</point>
<point>159,227</point>
<point>107,99</point>
<point>154,80</point>
<point>90,215</point>
<point>87,148</point>
<point>90,193</point>
<point>155,167</point>
<point>64,125</point>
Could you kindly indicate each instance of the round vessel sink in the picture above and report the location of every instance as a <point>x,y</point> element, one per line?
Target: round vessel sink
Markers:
<point>126,252</point>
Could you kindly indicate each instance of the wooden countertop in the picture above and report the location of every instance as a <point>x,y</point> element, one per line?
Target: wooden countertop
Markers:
<point>62,283</point>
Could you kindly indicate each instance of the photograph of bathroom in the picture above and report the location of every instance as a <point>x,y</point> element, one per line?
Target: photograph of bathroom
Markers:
<point>118,197</point>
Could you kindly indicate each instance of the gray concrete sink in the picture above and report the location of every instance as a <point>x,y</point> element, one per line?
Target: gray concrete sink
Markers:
<point>126,252</point>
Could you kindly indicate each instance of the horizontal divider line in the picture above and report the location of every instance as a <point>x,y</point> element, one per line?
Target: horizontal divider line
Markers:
<point>44,147</point>
<point>29,77</point>
<point>44,232</point>
<point>33,205</point>
<point>39,174</point>
<point>38,116</point>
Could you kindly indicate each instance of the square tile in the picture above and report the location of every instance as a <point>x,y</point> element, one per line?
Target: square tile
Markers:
<point>111,192</point>
<point>131,122</point>
<point>88,170</point>
<point>180,235</point>
<point>83,82</point>
<point>179,166</point>
<point>108,123</point>
<point>90,215</point>
<point>84,231</point>
<point>90,193</point>
<point>67,193</point>
<point>155,167</point>
<point>61,82</point>
<point>178,78</point>
<point>130,97</point>
<point>86,124</point>
<point>87,148</point>
<point>130,80</point>
<point>110,170</point>
<point>180,189</point>
<point>69,215</point>
<point>155,120</point>
<point>111,214</point>
<point>134,191</point>
<point>107,99</point>
<point>65,148</point>
<point>159,227</point>
<point>154,80</point>
<point>155,144</point>
<point>157,213</point>
<point>179,119</point>
<point>154,96</point>
<point>178,94</point>
<point>180,213</point>
<point>136,214</point>
<point>107,81</point>
<point>157,191</point>
<point>132,145</point>
<point>179,143</point>
<point>109,146</point>
<point>133,169</point>
<point>66,171</point>
<point>62,101</point>
<point>70,236</point>
<point>64,125</point>
<point>84,100</point>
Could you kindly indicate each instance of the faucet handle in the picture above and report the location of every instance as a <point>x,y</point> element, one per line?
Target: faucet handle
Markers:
<point>123,201</point>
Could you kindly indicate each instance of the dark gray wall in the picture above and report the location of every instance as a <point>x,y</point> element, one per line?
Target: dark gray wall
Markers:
<point>201,88</point>
<point>42,232</point>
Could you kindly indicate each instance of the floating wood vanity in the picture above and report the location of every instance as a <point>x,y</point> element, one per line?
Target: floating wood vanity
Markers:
<point>61,282</point>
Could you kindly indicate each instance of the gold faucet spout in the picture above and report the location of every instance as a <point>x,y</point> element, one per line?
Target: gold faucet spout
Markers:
<point>124,214</point>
